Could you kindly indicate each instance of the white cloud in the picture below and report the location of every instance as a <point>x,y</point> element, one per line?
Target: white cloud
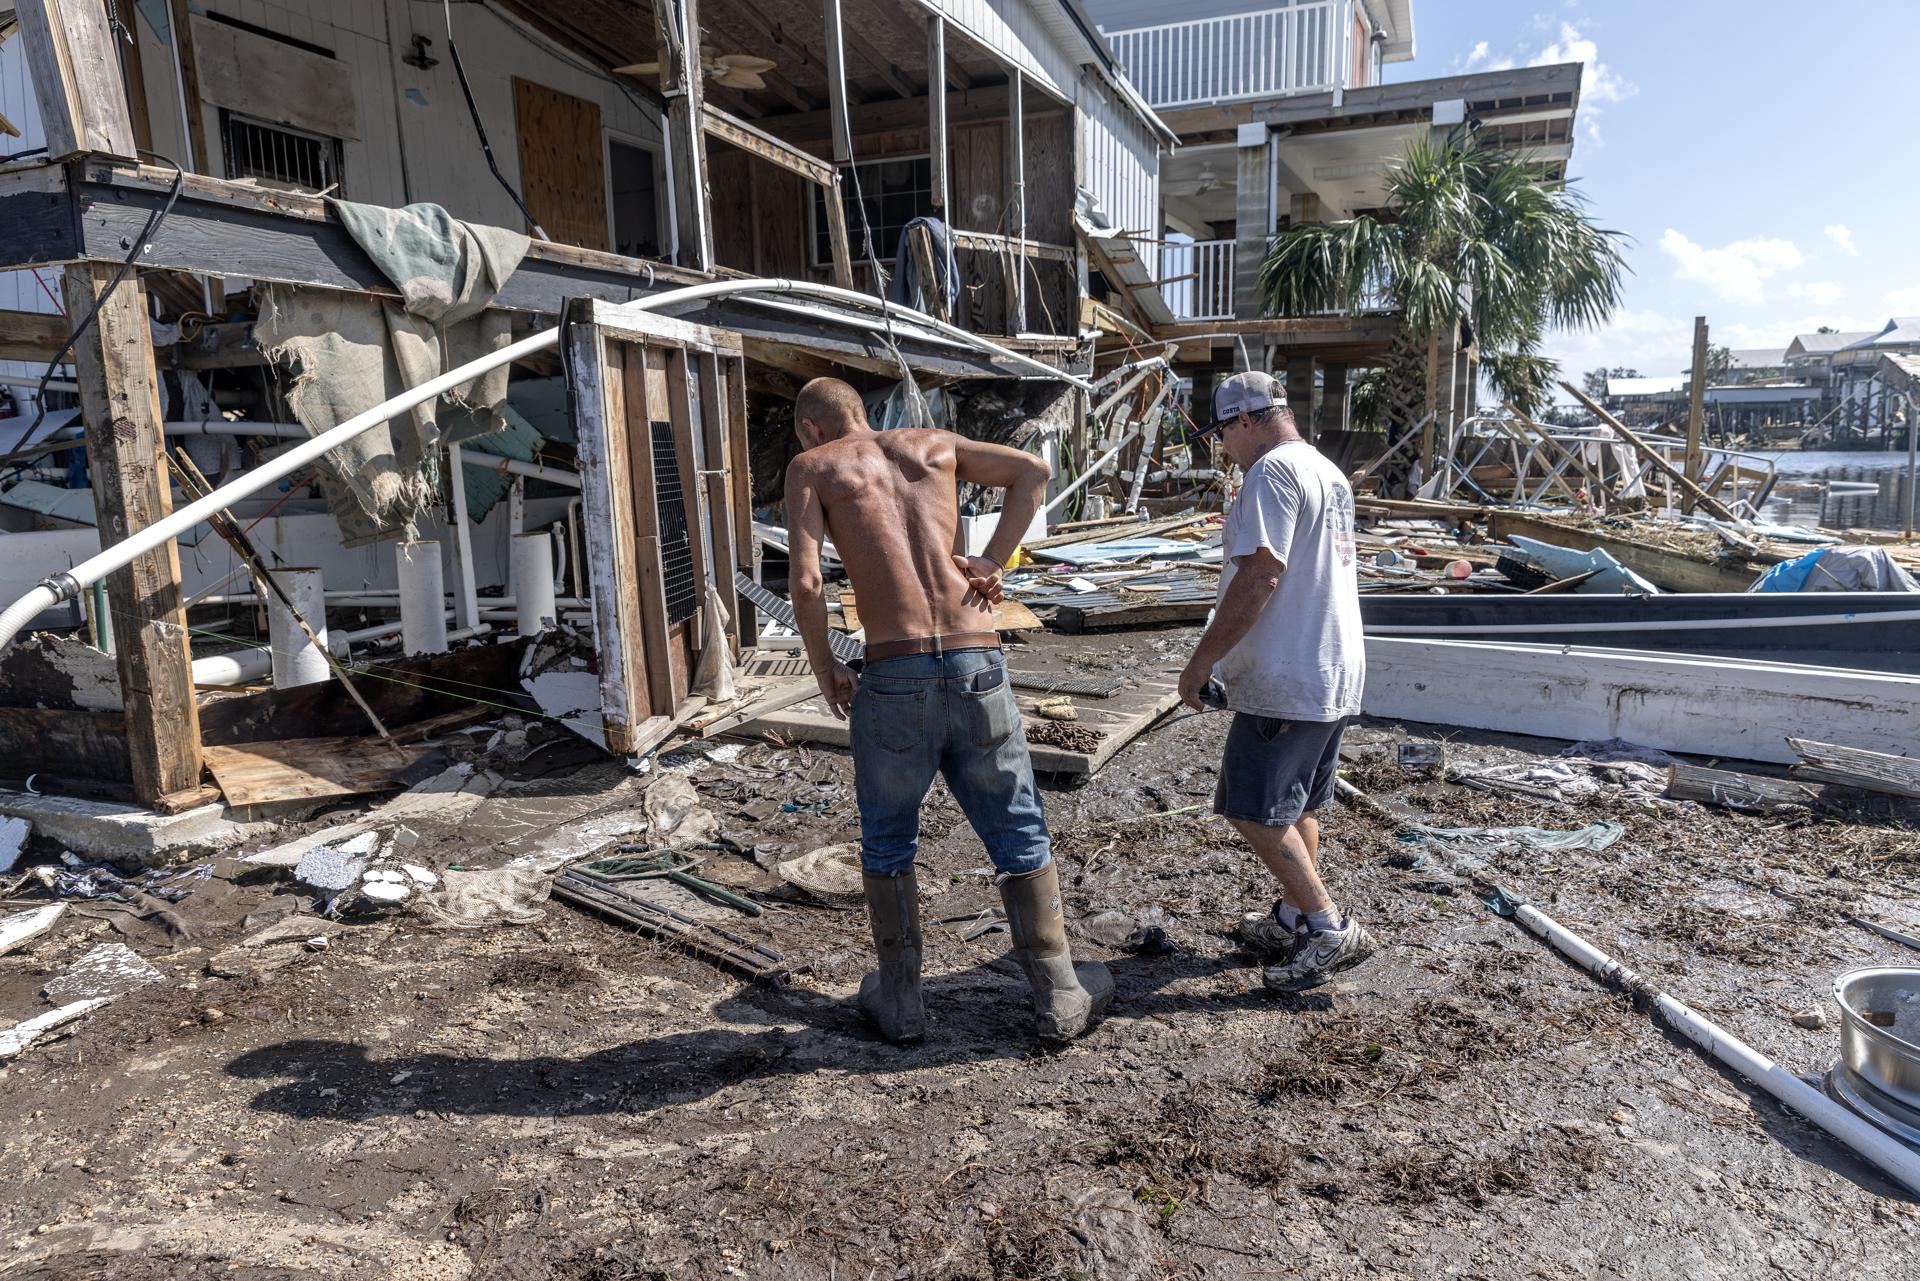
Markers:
<point>1655,344</point>
<point>1599,83</point>
<point>1738,272</point>
<point>1823,293</point>
<point>1842,235</point>
<point>1904,301</point>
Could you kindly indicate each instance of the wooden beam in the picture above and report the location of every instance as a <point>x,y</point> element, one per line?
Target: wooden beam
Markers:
<point>1652,456</point>
<point>32,336</point>
<point>180,21</point>
<point>120,403</point>
<point>839,129</point>
<point>784,36</point>
<point>932,280</point>
<point>739,481</point>
<point>896,81</point>
<point>739,133</point>
<point>937,113</point>
<point>677,26</point>
<point>1017,199</point>
<point>76,77</point>
<point>974,107</point>
<point>134,74</point>
<point>988,242</point>
<point>1696,464</point>
<point>837,240</point>
<point>719,26</point>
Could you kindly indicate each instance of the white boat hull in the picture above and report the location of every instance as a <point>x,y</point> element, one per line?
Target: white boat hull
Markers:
<point>1732,708</point>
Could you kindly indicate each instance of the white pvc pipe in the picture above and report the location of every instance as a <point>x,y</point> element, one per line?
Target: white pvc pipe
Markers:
<point>1087,475</point>
<point>532,583</point>
<point>514,467</point>
<point>423,620</point>
<point>67,584</point>
<point>243,667</point>
<point>1898,1161</point>
<point>295,659</point>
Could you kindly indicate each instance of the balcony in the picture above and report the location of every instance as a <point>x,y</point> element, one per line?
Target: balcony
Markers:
<point>1270,54</point>
<point>1197,280</point>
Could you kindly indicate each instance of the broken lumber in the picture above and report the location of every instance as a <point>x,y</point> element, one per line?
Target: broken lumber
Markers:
<point>1736,791</point>
<point>1653,457</point>
<point>1854,767</point>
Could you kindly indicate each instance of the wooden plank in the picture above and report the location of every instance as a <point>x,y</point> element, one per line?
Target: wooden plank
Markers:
<point>839,129</point>
<point>932,279</point>
<point>1697,407</point>
<point>1665,569</point>
<point>676,30</point>
<point>837,240</point>
<point>599,413</point>
<point>1652,456</point>
<point>1017,199</point>
<point>180,23</point>
<point>562,165</point>
<point>740,481</point>
<point>937,114</point>
<point>717,516</point>
<point>757,142</point>
<point>31,336</point>
<point>1736,791</point>
<point>76,77</point>
<point>409,695</point>
<point>120,402</point>
<point>308,769</point>
<point>686,452</point>
<point>66,743</point>
<point>1853,767</point>
<point>274,81</point>
<point>991,242</point>
<point>134,72</point>
<point>645,392</point>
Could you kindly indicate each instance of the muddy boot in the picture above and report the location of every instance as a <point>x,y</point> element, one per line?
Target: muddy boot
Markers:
<point>890,995</point>
<point>1066,997</point>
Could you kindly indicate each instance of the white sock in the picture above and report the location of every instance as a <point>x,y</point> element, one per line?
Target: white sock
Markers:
<point>1327,920</point>
<point>1288,915</point>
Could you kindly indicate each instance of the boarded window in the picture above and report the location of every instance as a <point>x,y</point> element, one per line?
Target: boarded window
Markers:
<point>562,167</point>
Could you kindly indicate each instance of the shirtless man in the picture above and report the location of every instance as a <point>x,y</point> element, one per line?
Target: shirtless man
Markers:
<point>932,694</point>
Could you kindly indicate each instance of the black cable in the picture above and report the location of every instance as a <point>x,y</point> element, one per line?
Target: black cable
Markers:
<point>140,245</point>
<point>480,128</point>
<point>22,155</point>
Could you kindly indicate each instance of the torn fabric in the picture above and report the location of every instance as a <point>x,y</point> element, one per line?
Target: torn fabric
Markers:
<point>350,352</point>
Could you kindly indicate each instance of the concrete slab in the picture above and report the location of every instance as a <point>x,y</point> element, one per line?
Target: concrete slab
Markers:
<point>102,829</point>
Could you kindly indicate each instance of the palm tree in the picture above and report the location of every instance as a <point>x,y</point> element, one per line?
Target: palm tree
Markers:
<point>1471,236</point>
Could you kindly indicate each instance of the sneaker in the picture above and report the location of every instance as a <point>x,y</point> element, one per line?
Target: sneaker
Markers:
<point>1319,955</point>
<point>1263,932</point>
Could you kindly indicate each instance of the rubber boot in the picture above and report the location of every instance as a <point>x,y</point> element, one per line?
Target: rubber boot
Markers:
<point>890,995</point>
<point>1066,997</point>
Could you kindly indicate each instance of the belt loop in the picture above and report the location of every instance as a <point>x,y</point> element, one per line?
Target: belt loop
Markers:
<point>937,650</point>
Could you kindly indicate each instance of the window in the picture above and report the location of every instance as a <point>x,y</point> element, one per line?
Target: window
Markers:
<point>897,191</point>
<point>632,196</point>
<point>280,157</point>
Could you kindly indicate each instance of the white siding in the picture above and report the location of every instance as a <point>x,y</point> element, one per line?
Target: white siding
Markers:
<point>1011,30</point>
<point>19,291</point>
<point>1122,157</point>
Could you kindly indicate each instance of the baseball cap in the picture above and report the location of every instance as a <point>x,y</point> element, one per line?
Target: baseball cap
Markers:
<point>1248,393</point>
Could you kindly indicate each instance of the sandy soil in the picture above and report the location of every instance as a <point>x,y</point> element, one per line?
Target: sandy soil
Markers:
<point>571,1100</point>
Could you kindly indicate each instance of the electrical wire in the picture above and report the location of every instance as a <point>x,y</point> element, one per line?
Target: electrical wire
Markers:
<point>479,127</point>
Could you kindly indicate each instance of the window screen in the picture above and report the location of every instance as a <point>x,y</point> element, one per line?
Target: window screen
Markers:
<point>897,191</point>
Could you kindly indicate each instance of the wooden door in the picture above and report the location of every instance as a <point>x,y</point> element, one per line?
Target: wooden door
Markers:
<point>562,163</point>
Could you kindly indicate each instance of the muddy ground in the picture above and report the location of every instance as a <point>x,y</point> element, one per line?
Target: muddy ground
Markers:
<point>570,1100</point>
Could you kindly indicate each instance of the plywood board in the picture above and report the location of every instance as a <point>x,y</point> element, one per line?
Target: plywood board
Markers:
<point>562,168</point>
<point>274,81</point>
<point>308,768</point>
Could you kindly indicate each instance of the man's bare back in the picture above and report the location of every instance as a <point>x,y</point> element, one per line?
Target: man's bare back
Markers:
<point>890,501</point>
<point>892,508</point>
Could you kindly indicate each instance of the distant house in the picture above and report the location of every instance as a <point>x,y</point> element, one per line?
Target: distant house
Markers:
<point>1283,115</point>
<point>1865,402</point>
<point>1810,356</point>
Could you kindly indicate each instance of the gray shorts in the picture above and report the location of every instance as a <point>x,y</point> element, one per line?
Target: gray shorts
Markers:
<point>1275,770</point>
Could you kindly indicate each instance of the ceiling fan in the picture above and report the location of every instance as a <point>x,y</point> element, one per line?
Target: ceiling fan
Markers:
<point>1207,180</point>
<point>734,70</point>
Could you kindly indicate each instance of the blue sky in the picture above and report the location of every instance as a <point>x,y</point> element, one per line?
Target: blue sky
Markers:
<point>1763,155</point>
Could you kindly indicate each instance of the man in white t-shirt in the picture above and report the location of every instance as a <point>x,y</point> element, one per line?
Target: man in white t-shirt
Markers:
<point>1285,653</point>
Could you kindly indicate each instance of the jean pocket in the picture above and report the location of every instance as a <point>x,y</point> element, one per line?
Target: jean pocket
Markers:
<point>992,714</point>
<point>894,719</point>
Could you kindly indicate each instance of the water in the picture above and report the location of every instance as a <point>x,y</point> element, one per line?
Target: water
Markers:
<point>1884,509</point>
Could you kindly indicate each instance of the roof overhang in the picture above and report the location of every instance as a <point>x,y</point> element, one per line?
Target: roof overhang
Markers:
<point>1394,19</point>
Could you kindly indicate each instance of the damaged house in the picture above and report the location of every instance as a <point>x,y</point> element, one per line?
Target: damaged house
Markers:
<point>239,233</point>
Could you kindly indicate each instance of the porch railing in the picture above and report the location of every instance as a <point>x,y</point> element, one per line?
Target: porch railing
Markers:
<point>1248,55</point>
<point>1198,279</point>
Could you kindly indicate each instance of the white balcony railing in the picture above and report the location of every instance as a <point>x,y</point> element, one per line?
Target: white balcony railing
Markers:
<point>1248,55</point>
<point>1198,279</point>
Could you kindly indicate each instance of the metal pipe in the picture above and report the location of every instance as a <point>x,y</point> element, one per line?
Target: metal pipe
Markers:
<point>1894,1158</point>
<point>1089,473</point>
<point>66,584</point>
<point>422,589</point>
<point>295,659</point>
<point>532,582</point>
<point>1913,458</point>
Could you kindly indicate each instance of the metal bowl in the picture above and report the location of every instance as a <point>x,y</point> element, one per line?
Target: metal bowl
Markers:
<point>1880,1030</point>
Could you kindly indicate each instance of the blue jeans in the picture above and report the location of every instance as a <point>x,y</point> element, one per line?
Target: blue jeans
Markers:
<point>953,713</point>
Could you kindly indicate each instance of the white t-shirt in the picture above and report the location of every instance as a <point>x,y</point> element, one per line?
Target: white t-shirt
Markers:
<point>1305,658</point>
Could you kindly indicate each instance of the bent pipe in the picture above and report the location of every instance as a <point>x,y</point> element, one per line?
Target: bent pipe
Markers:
<point>68,584</point>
